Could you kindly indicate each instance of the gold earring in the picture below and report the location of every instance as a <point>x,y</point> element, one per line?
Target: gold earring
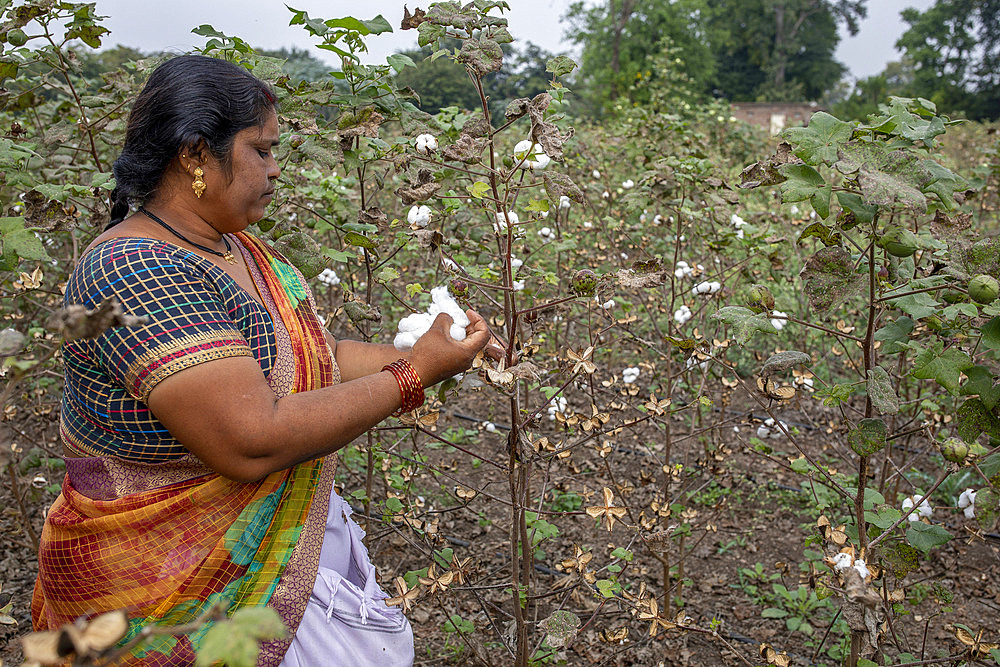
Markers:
<point>198,185</point>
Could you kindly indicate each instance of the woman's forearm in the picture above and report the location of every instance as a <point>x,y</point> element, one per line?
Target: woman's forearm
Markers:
<point>357,359</point>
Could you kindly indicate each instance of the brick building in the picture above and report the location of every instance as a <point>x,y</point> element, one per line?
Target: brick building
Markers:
<point>775,116</point>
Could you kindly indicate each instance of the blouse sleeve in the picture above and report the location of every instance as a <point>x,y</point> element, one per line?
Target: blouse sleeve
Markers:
<point>188,322</point>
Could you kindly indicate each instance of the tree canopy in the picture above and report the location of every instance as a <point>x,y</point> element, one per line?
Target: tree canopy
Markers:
<point>740,51</point>
<point>955,49</point>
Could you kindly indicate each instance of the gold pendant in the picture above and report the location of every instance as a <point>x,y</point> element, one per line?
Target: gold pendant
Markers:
<point>228,256</point>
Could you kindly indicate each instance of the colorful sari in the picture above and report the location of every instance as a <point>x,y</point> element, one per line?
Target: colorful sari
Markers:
<point>157,533</point>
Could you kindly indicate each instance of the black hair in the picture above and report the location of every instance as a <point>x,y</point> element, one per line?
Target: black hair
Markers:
<point>187,99</point>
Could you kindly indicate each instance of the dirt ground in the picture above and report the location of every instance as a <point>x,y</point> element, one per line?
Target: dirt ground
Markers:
<point>744,510</point>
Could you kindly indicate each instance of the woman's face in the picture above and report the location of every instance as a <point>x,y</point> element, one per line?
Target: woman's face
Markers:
<point>238,199</point>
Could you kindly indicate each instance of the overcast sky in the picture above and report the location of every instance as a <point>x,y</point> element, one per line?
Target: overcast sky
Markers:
<point>264,23</point>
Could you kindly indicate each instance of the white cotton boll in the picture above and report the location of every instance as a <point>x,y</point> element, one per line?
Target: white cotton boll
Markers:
<point>426,143</point>
<point>606,194</point>
<point>806,382</point>
<point>706,287</point>
<point>714,286</point>
<point>588,225</point>
<point>739,234</point>
<point>629,184</point>
<point>682,314</point>
<point>657,219</point>
<point>490,427</point>
<point>778,319</point>
<point>546,233</point>
<point>533,156</point>
<point>794,210</point>
<point>544,214</point>
<point>404,340</point>
<point>608,305</point>
<point>861,568</point>
<point>737,221</point>
<point>564,201</point>
<point>419,216</point>
<point>503,219</point>
<point>923,509</point>
<point>841,561</point>
<point>329,277</point>
<point>763,432</point>
<point>417,323</point>
<point>515,263</point>
<point>736,429</point>
<point>967,502</point>
<point>449,264</point>
<point>518,285</point>
<point>596,174</point>
<point>630,374</point>
<point>443,302</point>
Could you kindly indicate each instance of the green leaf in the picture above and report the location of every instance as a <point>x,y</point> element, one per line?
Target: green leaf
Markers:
<point>355,239</point>
<point>400,61</point>
<point>394,505</point>
<point>744,322</point>
<point>387,274</point>
<point>901,558</point>
<point>885,177</point>
<point>881,392</point>
<point>802,182</point>
<point>25,245</point>
<point>8,70</point>
<point>830,278</point>
<point>560,627</point>
<point>917,306</point>
<point>538,205</point>
<point>990,334</point>
<point>895,335</point>
<point>782,361</point>
<point>943,366</point>
<point>479,189</point>
<point>980,383</point>
<point>868,437</point>
<point>955,310</point>
<point>925,537</point>
<point>883,516</point>
<point>861,212</point>
<point>560,66</point>
<point>974,418</point>
<point>773,612</point>
<point>235,641</point>
<point>823,233</point>
<point>818,142</point>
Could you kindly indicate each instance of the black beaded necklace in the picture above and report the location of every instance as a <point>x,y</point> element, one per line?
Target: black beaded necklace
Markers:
<point>228,255</point>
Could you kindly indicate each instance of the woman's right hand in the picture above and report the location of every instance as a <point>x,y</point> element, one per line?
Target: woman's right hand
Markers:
<point>437,356</point>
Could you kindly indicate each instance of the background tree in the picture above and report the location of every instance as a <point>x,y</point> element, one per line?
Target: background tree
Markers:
<point>955,48</point>
<point>749,50</point>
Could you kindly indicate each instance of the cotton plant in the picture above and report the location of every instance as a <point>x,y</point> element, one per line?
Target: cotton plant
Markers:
<point>587,224</point>
<point>695,362</point>
<point>682,315</point>
<point>967,503</point>
<point>628,184</point>
<point>531,156</point>
<point>607,305</point>
<point>426,143</point>
<point>547,233</point>
<point>564,202</point>
<point>595,174</point>
<point>685,270</point>
<point>922,510</point>
<point>779,319</point>
<point>630,374</point>
<point>415,325</point>
<point>419,216</point>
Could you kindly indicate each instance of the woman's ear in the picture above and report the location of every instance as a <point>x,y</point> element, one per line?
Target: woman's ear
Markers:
<point>192,156</point>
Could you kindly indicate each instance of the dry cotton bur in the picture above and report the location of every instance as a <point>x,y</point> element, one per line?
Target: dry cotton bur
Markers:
<point>689,352</point>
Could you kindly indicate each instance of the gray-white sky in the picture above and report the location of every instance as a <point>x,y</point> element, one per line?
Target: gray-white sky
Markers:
<point>264,23</point>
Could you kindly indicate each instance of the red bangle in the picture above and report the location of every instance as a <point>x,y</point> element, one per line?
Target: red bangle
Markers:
<point>410,385</point>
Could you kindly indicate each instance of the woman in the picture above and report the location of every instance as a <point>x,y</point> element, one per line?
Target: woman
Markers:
<point>195,443</point>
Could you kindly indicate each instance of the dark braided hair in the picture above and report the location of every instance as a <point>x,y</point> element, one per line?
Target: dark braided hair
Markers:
<point>186,100</point>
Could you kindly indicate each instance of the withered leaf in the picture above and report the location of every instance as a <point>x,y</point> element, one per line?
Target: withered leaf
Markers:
<point>465,149</point>
<point>411,21</point>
